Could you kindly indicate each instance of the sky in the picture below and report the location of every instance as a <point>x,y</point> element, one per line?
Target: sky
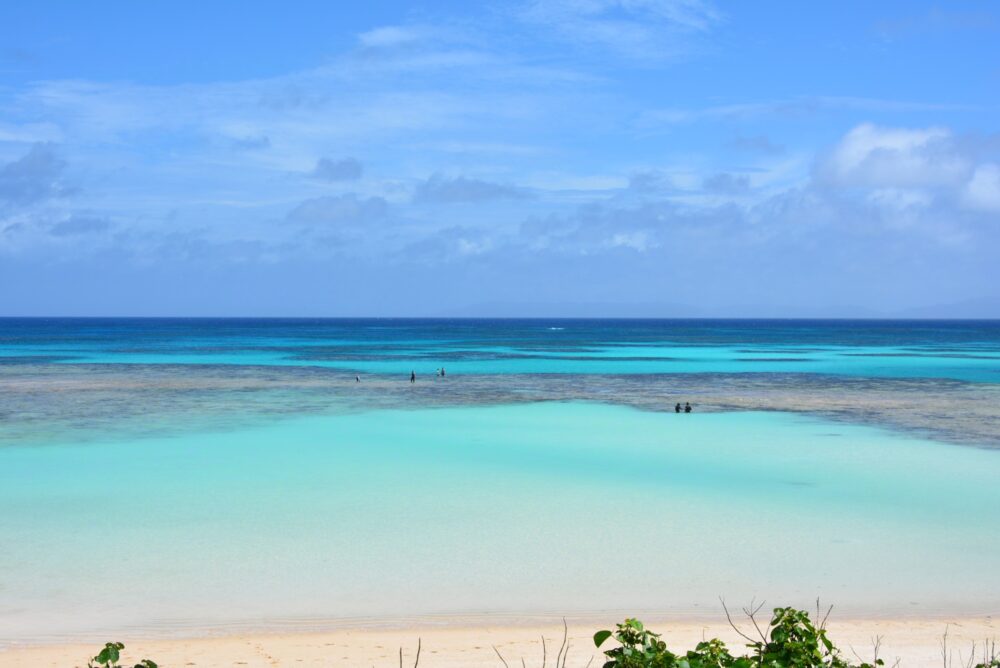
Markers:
<point>640,158</point>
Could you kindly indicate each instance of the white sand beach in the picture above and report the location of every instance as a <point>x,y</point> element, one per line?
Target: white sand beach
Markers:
<point>469,642</point>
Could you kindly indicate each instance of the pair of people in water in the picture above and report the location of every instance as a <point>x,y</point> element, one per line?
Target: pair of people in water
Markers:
<point>413,374</point>
<point>686,408</point>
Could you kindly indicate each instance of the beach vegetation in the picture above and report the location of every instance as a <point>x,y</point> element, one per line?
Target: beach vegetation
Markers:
<point>791,639</point>
<point>110,655</point>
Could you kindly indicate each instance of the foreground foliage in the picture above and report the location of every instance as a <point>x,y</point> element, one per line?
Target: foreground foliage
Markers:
<point>789,640</point>
<point>111,655</point>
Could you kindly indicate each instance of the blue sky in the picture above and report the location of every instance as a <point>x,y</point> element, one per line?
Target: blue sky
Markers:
<point>544,157</point>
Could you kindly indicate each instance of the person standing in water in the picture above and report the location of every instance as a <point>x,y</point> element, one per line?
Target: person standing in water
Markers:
<point>687,407</point>
<point>677,407</point>
<point>413,376</point>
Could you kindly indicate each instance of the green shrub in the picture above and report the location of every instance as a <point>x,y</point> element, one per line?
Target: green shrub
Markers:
<point>111,654</point>
<point>789,640</point>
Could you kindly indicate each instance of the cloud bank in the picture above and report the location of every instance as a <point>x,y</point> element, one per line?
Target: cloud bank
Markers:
<point>584,151</point>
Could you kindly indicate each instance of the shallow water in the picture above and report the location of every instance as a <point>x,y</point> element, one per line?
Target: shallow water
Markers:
<point>540,507</point>
<point>159,497</point>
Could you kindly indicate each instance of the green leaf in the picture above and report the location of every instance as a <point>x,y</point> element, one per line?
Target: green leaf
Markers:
<point>109,655</point>
<point>600,637</point>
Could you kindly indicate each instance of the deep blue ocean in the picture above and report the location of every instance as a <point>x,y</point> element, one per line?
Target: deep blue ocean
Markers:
<point>960,350</point>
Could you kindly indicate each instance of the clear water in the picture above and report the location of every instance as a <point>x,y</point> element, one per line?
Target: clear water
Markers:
<point>180,493</point>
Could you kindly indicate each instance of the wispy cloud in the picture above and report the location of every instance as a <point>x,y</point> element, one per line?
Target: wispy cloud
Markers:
<point>727,184</point>
<point>77,225</point>
<point>251,143</point>
<point>339,209</point>
<point>389,36</point>
<point>757,144</point>
<point>30,132</point>
<point>983,190</point>
<point>652,182</point>
<point>445,190</point>
<point>896,157</point>
<point>36,176</point>
<point>344,169</point>
<point>790,107</point>
<point>938,20</point>
<point>638,29</point>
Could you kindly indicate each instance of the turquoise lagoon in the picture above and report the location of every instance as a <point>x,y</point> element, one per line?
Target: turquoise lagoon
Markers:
<point>549,508</point>
<point>205,476</point>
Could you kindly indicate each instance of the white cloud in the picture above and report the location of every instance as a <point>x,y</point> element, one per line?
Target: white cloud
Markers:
<point>860,142</point>
<point>900,170</point>
<point>874,156</point>
<point>983,190</point>
<point>388,36</point>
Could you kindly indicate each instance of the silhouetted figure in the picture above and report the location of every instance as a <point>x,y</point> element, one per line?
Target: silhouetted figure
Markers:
<point>687,407</point>
<point>413,376</point>
<point>357,379</point>
<point>677,407</point>
<point>442,372</point>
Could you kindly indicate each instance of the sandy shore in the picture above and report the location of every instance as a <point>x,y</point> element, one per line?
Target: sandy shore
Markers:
<point>915,642</point>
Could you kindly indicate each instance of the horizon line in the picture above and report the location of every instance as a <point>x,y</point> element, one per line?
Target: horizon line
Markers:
<point>491,317</point>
